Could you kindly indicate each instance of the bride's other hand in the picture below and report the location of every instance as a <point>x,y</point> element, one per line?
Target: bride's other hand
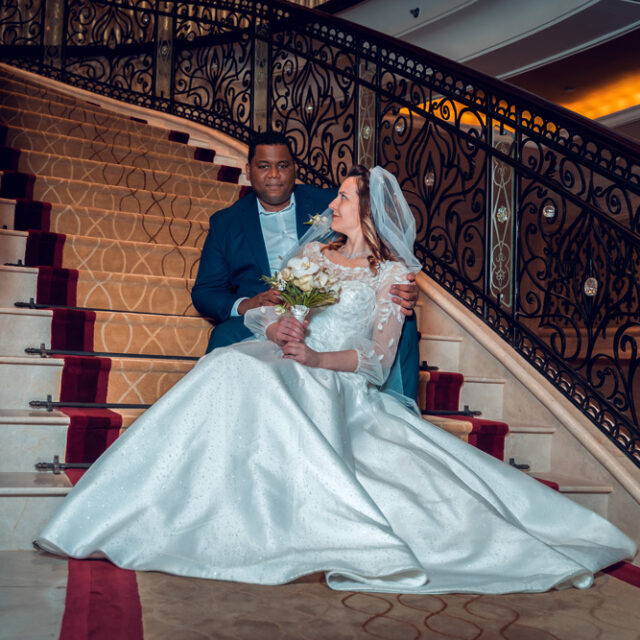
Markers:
<point>406,295</point>
<point>301,353</point>
<point>286,330</point>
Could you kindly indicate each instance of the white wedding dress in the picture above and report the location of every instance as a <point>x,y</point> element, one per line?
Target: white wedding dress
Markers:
<point>257,469</point>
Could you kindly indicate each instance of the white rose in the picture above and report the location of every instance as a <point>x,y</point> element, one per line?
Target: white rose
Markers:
<point>302,267</point>
<point>321,279</point>
<point>286,273</point>
<point>305,282</point>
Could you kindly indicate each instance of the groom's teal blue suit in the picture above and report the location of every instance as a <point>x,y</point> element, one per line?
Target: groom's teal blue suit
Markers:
<point>234,258</point>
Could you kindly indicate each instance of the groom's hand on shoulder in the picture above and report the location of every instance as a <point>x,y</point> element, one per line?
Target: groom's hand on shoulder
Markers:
<point>406,295</point>
<point>264,299</point>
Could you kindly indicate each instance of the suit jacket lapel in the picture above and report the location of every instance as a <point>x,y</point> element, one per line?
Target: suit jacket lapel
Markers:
<point>253,234</point>
<point>302,215</point>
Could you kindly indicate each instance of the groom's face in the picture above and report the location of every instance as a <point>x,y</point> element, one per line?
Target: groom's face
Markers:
<point>272,173</point>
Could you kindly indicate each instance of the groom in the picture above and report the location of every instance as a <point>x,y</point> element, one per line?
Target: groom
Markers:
<point>248,240</point>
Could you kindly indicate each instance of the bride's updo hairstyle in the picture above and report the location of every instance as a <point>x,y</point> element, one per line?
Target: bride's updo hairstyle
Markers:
<point>379,251</point>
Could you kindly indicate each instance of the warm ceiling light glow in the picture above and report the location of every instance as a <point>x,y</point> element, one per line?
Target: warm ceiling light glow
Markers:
<point>618,94</point>
<point>615,95</point>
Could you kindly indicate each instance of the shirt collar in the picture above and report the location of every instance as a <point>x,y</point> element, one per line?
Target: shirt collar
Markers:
<point>288,209</point>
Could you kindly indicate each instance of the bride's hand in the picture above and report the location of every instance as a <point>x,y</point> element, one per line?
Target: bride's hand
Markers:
<point>301,353</point>
<point>286,330</point>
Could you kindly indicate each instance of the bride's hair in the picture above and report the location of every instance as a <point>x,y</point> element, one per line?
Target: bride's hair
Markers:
<point>379,251</point>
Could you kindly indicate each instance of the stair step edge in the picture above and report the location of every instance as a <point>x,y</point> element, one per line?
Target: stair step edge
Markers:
<point>4,267</point>
<point>440,338</point>
<point>484,380</point>
<point>196,200</point>
<point>568,484</point>
<point>30,360</point>
<point>13,232</point>
<point>32,483</point>
<point>515,427</point>
<point>125,166</point>
<point>18,311</point>
<point>32,418</point>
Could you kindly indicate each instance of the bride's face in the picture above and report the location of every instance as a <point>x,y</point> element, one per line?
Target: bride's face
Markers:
<point>346,209</point>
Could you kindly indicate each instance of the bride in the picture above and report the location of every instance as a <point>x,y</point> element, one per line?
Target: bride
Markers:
<point>279,457</point>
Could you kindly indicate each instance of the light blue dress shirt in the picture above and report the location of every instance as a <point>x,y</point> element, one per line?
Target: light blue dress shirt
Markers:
<point>280,233</point>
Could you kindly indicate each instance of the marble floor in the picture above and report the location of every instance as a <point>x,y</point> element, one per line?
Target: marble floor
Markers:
<point>32,590</point>
<point>32,593</point>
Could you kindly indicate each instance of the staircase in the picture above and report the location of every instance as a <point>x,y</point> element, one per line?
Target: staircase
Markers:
<point>102,219</point>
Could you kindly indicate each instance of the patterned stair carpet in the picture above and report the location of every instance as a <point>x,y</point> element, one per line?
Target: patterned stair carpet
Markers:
<point>116,212</point>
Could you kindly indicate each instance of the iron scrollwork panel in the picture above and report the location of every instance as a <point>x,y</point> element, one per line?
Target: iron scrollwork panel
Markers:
<point>120,39</point>
<point>314,103</point>
<point>570,160</point>
<point>22,22</point>
<point>443,176</point>
<point>579,294</point>
<point>212,85</point>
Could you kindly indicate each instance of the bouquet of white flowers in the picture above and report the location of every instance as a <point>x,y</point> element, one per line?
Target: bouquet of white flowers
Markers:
<point>302,285</point>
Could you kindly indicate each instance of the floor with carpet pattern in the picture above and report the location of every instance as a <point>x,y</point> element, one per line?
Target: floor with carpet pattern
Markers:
<point>107,603</point>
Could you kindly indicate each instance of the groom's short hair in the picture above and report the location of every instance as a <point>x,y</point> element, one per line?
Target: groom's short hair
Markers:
<point>268,138</point>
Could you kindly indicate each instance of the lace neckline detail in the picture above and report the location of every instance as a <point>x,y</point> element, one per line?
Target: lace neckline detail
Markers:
<point>336,264</point>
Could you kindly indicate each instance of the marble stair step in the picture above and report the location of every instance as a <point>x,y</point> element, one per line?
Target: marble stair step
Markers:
<point>166,335</point>
<point>108,332</point>
<point>588,493</point>
<point>97,172</point>
<point>13,117</point>
<point>27,96</point>
<point>32,94</point>
<point>456,427</point>
<point>22,328</point>
<point>106,223</point>
<point>484,394</point>
<point>7,213</point>
<point>199,165</point>
<point>125,380</point>
<point>28,500</point>
<point>99,254</point>
<point>103,290</point>
<point>441,351</point>
<point>97,290</point>
<point>593,495</point>
<point>28,437</point>
<point>143,381</point>
<point>111,197</point>
<point>17,284</point>
<point>530,444</point>
<point>13,246</point>
<point>25,378</point>
<point>79,112</point>
<point>31,436</point>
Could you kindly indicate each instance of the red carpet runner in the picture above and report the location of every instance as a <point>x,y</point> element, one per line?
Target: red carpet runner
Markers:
<point>102,603</point>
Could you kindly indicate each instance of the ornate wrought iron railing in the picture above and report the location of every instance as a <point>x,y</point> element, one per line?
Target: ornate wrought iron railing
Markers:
<point>526,213</point>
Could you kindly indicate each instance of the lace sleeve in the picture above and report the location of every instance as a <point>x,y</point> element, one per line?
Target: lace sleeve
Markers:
<point>257,320</point>
<point>376,355</point>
